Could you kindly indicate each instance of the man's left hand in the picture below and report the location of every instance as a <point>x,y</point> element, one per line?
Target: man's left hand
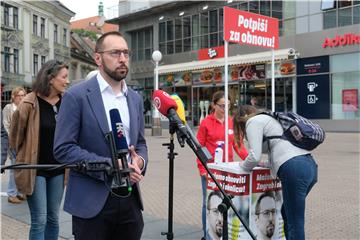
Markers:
<point>136,164</point>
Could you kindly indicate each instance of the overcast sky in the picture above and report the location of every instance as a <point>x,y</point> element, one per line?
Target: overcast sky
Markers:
<point>88,8</point>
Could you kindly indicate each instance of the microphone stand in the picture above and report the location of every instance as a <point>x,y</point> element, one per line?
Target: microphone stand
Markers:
<point>171,156</point>
<point>81,166</point>
<point>203,154</point>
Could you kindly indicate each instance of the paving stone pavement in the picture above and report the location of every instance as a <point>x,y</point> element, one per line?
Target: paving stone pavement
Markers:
<point>332,210</point>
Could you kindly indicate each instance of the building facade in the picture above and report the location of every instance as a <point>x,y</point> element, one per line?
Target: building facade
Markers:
<point>317,66</point>
<point>32,32</point>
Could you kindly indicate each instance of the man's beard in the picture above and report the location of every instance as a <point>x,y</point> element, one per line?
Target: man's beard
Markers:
<point>270,230</point>
<point>219,232</point>
<point>115,75</point>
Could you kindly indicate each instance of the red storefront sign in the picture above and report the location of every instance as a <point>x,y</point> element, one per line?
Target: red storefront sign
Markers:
<point>211,53</point>
<point>249,28</point>
<point>338,40</point>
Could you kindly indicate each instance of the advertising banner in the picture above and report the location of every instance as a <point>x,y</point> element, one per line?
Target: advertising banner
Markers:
<point>243,27</point>
<point>282,69</point>
<point>350,100</point>
<point>208,76</point>
<point>247,72</point>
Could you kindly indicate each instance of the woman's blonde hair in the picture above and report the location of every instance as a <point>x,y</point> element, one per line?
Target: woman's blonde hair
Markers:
<point>241,115</point>
<point>15,91</point>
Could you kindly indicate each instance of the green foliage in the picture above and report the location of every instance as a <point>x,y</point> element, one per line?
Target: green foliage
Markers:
<point>85,33</point>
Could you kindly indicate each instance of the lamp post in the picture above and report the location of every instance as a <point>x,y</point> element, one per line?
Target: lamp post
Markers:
<point>156,128</point>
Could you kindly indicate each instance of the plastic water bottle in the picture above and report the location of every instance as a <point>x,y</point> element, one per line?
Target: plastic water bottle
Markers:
<point>219,152</point>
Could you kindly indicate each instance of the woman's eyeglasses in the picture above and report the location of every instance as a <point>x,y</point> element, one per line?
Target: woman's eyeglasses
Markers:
<point>222,106</point>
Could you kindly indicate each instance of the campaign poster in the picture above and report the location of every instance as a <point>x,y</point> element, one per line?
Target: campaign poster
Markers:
<point>350,100</point>
<point>266,199</point>
<point>236,185</point>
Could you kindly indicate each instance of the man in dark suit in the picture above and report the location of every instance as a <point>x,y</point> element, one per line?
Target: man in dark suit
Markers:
<point>99,211</point>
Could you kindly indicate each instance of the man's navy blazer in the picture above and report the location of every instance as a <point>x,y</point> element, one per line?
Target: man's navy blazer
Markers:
<point>80,136</point>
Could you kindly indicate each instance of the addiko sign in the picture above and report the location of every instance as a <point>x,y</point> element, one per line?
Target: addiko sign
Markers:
<point>341,40</point>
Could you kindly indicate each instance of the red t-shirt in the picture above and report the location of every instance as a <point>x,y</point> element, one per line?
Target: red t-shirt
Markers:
<point>211,131</point>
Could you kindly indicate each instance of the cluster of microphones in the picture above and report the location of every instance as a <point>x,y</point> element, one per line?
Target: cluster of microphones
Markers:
<point>172,107</point>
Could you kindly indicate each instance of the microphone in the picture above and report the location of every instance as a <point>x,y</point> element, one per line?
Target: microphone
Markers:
<point>121,146</point>
<point>118,131</point>
<point>167,106</point>
<point>180,107</point>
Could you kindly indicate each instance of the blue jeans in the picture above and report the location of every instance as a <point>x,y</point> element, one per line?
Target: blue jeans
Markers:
<point>203,210</point>
<point>44,205</point>
<point>298,175</point>
<point>12,190</point>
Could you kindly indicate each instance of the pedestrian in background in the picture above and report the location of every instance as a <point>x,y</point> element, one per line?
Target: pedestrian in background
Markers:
<point>212,131</point>
<point>32,136</point>
<point>17,94</point>
<point>294,166</point>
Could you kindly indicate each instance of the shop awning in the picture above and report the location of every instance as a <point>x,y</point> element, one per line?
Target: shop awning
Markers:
<point>261,57</point>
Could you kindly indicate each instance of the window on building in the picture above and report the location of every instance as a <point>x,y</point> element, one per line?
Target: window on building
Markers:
<point>15,18</point>
<point>265,8</point>
<point>43,60</point>
<point>35,25</point>
<point>254,6</point>
<point>340,13</point>
<point>327,4</point>
<point>141,44</point>
<point>35,64</point>
<point>356,14</point>
<point>65,37</point>
<point>55,33</point>
<point>6,15</point>
<point>7,55</point>
<point>16,60</point>
<point>42,27</point>
<point>10,16</point>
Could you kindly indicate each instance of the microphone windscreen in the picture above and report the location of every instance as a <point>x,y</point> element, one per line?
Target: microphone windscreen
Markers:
<point>180,107</point>
<point>118,131</point>
<point>163,102</point>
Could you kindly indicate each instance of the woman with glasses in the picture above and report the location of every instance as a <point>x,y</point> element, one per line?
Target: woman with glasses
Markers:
<point>210,134</point>
<point>294,166</point>
<point>17,94</point>
<point>32,135</point>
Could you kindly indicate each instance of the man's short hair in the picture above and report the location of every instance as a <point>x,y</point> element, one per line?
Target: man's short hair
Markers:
<point>99,42</point>
<point>265,194</point>
<point>213,193</point>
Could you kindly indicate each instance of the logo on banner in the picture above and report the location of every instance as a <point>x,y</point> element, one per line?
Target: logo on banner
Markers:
<point>249,28</point>
<point>212,53</point>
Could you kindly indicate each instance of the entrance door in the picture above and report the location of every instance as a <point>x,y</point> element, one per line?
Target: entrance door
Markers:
<point>283,94</point>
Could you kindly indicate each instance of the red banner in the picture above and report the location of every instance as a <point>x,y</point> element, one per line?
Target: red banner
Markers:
<point>211,53</point>
<point>262,181</point>
<point>249,28</point>
<point>232,183</point>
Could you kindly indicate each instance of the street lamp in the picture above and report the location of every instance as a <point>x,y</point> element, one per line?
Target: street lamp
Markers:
<point>156,128</point>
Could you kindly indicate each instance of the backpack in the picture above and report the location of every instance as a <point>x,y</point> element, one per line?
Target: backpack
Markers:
<point>298,130</point>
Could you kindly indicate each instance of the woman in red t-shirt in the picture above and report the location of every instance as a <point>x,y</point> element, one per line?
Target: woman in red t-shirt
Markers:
<point>211,131</point>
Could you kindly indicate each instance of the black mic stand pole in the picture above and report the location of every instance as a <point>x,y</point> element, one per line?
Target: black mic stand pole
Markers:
<point>171,155</point>
<point>203,154</point>
<point>81,166</point>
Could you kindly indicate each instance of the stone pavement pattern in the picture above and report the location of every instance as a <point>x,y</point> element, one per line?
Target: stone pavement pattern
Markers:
<point>332,206</point>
